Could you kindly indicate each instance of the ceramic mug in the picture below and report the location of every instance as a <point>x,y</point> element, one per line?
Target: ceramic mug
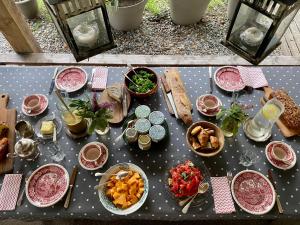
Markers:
<point>92,153</point>
<point>281,152</point>
<point>32,103</point>
<point>209,103</point>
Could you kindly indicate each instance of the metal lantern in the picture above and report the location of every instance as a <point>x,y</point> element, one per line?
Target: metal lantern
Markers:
<point>83,24</point>
<point>257,27</point>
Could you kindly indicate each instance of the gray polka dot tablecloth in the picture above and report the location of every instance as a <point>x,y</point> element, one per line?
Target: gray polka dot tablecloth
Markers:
<point>160,205</point>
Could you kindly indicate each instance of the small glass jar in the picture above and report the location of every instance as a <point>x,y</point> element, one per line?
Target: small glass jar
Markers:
<point>131,135</point>
<point>144,142</point>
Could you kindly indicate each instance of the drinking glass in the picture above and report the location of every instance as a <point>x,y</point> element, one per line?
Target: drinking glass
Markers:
<point>261,125</point>
<point>248,158</point>
<point>54,151</point>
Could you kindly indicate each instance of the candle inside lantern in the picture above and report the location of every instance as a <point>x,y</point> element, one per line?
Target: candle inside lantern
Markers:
<point>252,36</point>
<point>85,35</point>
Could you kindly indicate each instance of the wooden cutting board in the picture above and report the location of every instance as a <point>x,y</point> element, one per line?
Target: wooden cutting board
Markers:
<point>286,132</point>
<point>117,108</point>
<point>8,116</point>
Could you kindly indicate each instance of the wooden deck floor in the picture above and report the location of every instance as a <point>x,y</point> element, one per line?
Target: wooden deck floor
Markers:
<point>290,45</point>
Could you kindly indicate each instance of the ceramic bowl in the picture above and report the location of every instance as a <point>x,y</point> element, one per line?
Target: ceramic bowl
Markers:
<point>141,95</point>
<point>107,203</point>
<point>218,133</point>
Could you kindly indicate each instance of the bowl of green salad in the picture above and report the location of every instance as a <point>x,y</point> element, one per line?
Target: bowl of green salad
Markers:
<point>145,82</point>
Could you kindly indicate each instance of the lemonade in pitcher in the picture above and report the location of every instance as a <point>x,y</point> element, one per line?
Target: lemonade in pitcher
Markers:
<point>262,123</point>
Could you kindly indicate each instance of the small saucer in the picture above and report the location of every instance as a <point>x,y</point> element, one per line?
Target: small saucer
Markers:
<point>260,139</point>
<point>44,105</point>
<point>210,114</point>
<point>90,166</point>
<point>276,163</point>
<point>57,123</point>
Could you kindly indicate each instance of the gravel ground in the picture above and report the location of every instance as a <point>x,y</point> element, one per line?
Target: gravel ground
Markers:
<point>157,35</point>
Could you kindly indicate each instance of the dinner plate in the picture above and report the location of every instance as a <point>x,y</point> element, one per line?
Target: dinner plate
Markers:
<point>71,79</point>
<point>47,185</point>
<point>229,79</point>
<point>43,107</point>
<point>253,192</point>
<point>279,164</point>
<point>107,203</point>
<point>91,166</point>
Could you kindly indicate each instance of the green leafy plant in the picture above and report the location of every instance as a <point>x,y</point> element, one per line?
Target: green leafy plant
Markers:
<point>98,114</point>
<point>232,118</point>
<point>143,81</point>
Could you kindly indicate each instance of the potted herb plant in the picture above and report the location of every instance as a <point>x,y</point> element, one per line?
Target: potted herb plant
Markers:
<point>97,114</point>
<point>125,15</point>
<point>231,119</point>
<point>186,12</point>
<point>29,8</point>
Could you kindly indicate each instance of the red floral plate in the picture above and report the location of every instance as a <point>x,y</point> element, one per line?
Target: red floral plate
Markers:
<point>71,79</point>
<point>47,185</point>
<point>229,79</point>
<point>91,166</point>
<point>279,164</point>
<point>253,192</point>
<point>43,107</point>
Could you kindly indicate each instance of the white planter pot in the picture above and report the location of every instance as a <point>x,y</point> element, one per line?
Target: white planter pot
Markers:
<point>29,8</point>
<point>126,18</point>
<point>186,12</point>
<point>231,8</point>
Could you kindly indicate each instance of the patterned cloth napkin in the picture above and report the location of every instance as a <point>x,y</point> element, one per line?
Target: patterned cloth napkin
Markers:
<point>99,79</point>
<point>10,191</point>
<point>253,76</point>
<point>222,195</point>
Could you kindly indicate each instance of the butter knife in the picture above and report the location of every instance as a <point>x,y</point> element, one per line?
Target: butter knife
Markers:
<point>71,186</point>
<point>53,81</point>
<point>210,80</point>
<point>279,206</point>
<point>124,101</point>
<point>169,95</point>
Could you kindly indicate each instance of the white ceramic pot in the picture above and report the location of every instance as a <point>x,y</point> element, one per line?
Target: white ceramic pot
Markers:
<point>186,12</point>
<point>231,8</point>
<point>127,17</point>
<point>29,8</point>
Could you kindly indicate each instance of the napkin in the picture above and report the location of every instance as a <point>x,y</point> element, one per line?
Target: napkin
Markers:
<point>10,191</point>
<point>222,195</point>
<point>99,79</point>
<point>253,76</point>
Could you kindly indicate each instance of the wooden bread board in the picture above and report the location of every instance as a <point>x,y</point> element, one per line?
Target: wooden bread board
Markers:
<point>8,116</point>
<point>286,132</point>
<point>167,100</point>
<point>117,108</point>
<point>182,102</point>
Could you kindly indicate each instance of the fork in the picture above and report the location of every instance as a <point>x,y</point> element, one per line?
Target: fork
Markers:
<point>229,177</point>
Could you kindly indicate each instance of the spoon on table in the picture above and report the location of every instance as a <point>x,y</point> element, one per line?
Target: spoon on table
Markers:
<point>129,124</point>
<point>201,190</point>
<point>119,176</point>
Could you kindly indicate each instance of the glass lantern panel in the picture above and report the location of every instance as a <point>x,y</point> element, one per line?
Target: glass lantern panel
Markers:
<point>281,29</point>
<point>249,29</point>
<point>89,30</point>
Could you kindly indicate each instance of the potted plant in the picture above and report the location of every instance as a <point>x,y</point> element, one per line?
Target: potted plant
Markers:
<point>231,8</point>
<point>125,15</point>
<point>29,8</point>
<point>188,12</point>
<point>97,114</point>
<point>231,119</point>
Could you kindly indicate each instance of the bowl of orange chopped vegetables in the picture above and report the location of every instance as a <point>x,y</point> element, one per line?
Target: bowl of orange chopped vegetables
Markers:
<point>126,195</point>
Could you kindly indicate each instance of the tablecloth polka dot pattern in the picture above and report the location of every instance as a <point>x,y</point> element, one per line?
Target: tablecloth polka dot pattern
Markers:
<point>21,81</point>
